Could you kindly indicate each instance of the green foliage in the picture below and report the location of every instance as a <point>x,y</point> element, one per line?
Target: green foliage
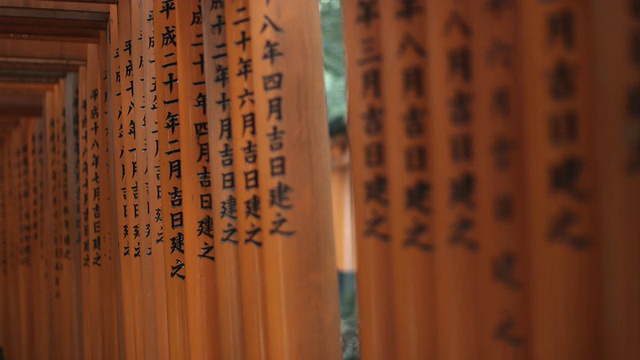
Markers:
<point>349,316</point>
<point>349,329</point>
<point>334,67</point>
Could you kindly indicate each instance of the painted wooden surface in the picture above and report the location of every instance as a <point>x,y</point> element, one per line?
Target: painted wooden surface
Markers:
<point>165,180</point>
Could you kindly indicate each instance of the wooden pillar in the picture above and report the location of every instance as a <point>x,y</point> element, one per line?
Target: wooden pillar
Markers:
<point>85,249</point>
<point>71,204</point>
<point>33,226</point>
<point>39,320</point>
<point>558,112</point>
<point>32,229</point>
<point>368,167</point>
<point>241,230</point>
<point>109,278</point>
<point>20,325</point>
<point>453,74</point>
<point>153,177</point>
<point>64,241</point>
<point>617,84</point>
<point>4,239</point>
<point>16,242</point>
<point>3,248</point>
<point>503,316</point>
<point>97,255</point>
<point>42,315</point>
<point>122,284</point>
<point>404,112</point>
<point>7,327</point>
<point>142,181</point>
<point>64,335</point>
<point>28,238</point>
<point>129,97</point>
<point>199,247</point>
<point>170,176</point>
<point>60,336</point>
<point>50,238</point>
<point>65,207</point>
<point>241,288</point>
<point>120,185</point>
<point>299,257</point>
<point>16,320</point>
<point>21,269</point>
<point>130,28</point>
<point>14,345</point>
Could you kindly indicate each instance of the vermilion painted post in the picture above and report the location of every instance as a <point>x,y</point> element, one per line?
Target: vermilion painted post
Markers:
<point>404,116</point>
<point>201,254</point>
<point>242,155</point>
<point>42,317</point>
<point>363,50</point>
<point>120,186</point>
<point>85,248</point>
<point>23,327</point>
<point>299,254</point>
<point>109,277</point>
<point>503,312</point>
<point>153,177</point>
<point>141,181</point>
<point>618,165</point>
<point>132,189</point>
<point>562,231</point>
<point>455,197</point>
<point>170,175</point>
<point>4,191</point>
<point>95,210</point>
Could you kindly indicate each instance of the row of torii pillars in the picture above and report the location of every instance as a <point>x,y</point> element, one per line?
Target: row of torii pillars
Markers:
<point>166,186</point>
